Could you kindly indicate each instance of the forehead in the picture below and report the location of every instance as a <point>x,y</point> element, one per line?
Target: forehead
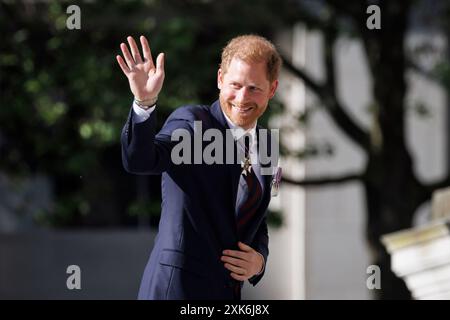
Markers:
<point>240,70</point>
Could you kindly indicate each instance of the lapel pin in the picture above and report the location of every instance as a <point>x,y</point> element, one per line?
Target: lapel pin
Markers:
<point>276,182</point>
<point>246,166</point>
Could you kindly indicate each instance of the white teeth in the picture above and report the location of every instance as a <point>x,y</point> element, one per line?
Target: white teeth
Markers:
<point>241,109</point>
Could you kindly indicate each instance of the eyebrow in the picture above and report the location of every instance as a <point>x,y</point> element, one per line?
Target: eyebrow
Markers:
<point>249,85</point>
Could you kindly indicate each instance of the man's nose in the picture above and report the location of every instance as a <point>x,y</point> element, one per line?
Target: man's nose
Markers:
<point>242,96</point>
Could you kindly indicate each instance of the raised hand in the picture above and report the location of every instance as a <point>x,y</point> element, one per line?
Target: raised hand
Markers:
<point>144,78</point>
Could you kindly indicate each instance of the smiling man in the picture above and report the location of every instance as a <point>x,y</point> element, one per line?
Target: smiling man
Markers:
<point>212,234</point>
<point>247,79</point>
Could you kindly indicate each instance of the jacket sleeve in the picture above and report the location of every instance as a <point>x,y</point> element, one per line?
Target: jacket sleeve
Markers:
<point>144,151</point>
<point>261,244</point>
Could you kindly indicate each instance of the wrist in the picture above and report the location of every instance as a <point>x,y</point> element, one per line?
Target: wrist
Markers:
<point>146,103</point>
<point>262,264</point>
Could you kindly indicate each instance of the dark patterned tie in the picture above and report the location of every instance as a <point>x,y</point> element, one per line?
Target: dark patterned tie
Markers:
<point>249,194</point>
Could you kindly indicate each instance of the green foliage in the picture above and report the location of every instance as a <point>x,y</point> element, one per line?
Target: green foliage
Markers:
<point>442,71</point>
<point>144,208</point>
<point>275,218</point>
<point>64,99</point>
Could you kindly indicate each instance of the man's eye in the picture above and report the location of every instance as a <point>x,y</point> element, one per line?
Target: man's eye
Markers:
<point>235,85</point>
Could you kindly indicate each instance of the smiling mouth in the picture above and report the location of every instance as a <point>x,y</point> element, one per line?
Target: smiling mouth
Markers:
<point>242,110</point>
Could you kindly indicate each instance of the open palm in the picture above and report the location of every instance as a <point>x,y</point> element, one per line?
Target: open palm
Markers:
<point>144,78</point>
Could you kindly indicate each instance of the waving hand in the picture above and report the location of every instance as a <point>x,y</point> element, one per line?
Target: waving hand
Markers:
<point>144,77</point>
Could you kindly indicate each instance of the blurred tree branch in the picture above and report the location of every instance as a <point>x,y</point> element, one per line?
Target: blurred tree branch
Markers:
<point>326,93</point>
<point>320,181</point>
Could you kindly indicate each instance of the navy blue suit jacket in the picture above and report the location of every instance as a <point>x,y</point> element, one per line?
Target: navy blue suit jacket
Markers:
<point>198,210</point>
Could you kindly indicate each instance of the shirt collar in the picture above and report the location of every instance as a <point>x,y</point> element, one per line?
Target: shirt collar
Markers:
<point>239,132</point>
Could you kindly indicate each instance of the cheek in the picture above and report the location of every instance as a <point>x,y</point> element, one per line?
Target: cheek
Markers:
<point>228,94</point>
<point>261,99</point>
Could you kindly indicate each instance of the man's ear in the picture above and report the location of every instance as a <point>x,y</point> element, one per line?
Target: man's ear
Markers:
<point>219,78</point>
<point>273,88</point>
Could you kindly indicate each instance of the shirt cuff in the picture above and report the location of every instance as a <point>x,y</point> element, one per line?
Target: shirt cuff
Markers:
<point>140,114</point>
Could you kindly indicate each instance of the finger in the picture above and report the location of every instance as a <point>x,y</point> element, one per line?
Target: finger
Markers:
<point>123,65</point>
<point>237,270</point>
<point>127,55</point>
<point>147,52</point>
<point>234,261</point>
<point>238,277</point>
<point>236,254</point>
<point>134,50</point>
<point>160,63</point>
<point>244,247</point>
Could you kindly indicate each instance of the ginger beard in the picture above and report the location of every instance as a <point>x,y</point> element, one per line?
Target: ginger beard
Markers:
<point>244,116</point>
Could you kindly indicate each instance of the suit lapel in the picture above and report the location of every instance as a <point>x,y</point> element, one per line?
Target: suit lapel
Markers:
<point>268,177</point>
<point>234,169</point>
